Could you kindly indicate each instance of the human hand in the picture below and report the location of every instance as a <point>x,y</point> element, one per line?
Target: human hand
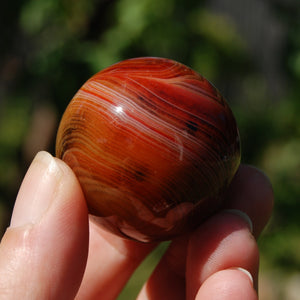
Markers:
<point>52,251</point>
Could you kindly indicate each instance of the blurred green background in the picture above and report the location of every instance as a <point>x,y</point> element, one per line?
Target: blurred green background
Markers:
<point>249,49</point>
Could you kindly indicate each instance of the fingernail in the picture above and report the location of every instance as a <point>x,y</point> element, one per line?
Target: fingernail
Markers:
<point>39,187</point>
<point>243,215</point>
<point>246,272</point>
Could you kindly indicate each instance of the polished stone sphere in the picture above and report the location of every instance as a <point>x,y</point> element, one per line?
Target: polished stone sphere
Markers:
<point>154,146</point>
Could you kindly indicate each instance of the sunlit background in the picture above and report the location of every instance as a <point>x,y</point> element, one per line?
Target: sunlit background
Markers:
<point>249,49</point>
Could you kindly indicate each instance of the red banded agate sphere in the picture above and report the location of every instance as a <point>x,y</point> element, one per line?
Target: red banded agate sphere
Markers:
<point>154,146</point>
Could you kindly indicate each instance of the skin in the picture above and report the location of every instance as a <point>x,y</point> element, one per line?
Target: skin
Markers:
<point>49,253</point>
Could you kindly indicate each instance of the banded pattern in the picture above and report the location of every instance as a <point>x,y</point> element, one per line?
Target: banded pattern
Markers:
<point>153,145</point>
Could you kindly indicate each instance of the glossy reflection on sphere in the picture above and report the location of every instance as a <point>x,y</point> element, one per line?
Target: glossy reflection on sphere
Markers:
<point>154,146</point>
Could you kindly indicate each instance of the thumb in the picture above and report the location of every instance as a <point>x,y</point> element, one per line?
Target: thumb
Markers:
<point>44,251</point>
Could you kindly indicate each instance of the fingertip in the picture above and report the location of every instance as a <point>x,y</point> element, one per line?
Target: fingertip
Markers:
<point>246,272</point>
<point>230,284</point>
<point>48,233</point>
<point>251,192</point>
<point>243,215</point>
<point>224,241</point>
<point>37,190</point>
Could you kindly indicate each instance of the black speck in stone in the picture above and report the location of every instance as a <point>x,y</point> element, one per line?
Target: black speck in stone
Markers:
<point>140,173</point>
<point>192,127</point>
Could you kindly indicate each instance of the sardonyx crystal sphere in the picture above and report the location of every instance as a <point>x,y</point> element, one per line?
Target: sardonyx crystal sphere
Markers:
<point>154,146</point>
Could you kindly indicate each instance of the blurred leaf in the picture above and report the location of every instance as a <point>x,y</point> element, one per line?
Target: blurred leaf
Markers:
<point>13,126</point>
<point>36,13</point>
<point>283,159</point>
<point>143,272</point>
<point>218,29</point>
